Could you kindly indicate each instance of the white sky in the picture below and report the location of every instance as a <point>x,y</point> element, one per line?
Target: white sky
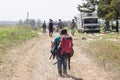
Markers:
<point>12,10</point>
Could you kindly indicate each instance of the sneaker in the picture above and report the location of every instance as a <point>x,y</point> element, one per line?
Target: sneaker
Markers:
<point>60,74</point>
<point>65,74</point>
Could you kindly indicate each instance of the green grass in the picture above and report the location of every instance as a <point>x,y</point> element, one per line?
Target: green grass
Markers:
<point>69,30</point>
<point>106,49</point>
<point>14,35</point>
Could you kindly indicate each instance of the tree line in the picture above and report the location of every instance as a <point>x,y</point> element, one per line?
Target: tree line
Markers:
<point>38,22</point>
<point>31,22</point>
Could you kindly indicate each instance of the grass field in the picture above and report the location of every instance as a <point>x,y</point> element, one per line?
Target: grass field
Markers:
<point>105,48</point>
<point>14,35</point>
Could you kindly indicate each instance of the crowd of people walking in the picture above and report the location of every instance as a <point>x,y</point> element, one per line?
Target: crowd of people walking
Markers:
<point>59,47</point>
<point>60,25</point>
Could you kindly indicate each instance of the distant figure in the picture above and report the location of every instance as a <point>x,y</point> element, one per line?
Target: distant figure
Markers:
<point>73,26</point>
<point>50,27</point>
<point>60,25</point>
<point>44,27</point>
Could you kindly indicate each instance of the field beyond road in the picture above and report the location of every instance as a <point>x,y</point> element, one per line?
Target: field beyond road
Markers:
<point>91,60</point>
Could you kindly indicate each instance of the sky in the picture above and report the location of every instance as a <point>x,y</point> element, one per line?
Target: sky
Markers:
<point>14,10</point>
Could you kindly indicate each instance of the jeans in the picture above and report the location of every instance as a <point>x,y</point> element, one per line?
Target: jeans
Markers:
<point>44,30</point>
<point>62,64</point>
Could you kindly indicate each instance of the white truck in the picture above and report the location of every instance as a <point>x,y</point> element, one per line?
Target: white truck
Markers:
<point>88,22</point>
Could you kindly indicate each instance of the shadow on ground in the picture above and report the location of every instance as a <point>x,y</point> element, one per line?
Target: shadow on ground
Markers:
<point>73,77</point>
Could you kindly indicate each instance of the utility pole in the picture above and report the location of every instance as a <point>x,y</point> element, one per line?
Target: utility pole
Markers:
<point>27,17</point>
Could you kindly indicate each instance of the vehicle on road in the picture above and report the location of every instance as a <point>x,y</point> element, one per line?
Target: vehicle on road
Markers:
<point>88,22</point>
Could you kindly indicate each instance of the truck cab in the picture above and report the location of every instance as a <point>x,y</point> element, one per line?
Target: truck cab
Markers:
<point>88,22</point>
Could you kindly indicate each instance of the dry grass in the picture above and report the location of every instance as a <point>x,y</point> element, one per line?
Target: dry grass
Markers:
<point>105,48</point>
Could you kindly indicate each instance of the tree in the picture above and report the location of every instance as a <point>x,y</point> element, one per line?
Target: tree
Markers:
<point>88,6</point>
<point>115,6</point>
<point>104,11</point>
<point>20,22</point>
<point>30,22</point>
<point>39,22</point>
<point>109,10</point>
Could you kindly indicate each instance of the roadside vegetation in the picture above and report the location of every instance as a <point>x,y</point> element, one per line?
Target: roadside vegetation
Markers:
<point>105,48</point>
<point>10,36</point>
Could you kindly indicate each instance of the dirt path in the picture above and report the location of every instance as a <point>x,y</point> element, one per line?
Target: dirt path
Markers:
<point>30,61</point>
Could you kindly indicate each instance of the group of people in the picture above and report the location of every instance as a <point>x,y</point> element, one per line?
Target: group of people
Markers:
<point>62,46</point>
<point>60,26</point>
<point>50,26</point>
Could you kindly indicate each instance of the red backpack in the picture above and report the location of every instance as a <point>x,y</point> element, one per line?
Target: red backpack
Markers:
<point>66,45</point>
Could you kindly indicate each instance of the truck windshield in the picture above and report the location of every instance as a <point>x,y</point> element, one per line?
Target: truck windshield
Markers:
<point>90,20</point>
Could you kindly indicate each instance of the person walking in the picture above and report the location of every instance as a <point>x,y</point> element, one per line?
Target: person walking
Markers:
<point>50,27</point>
<point>60,25</point>
<point>73,26</point>
<point>44,27</point>
<point>63,53</point>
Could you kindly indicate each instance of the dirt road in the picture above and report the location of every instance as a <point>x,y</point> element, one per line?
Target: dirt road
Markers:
<point>30,61</point>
